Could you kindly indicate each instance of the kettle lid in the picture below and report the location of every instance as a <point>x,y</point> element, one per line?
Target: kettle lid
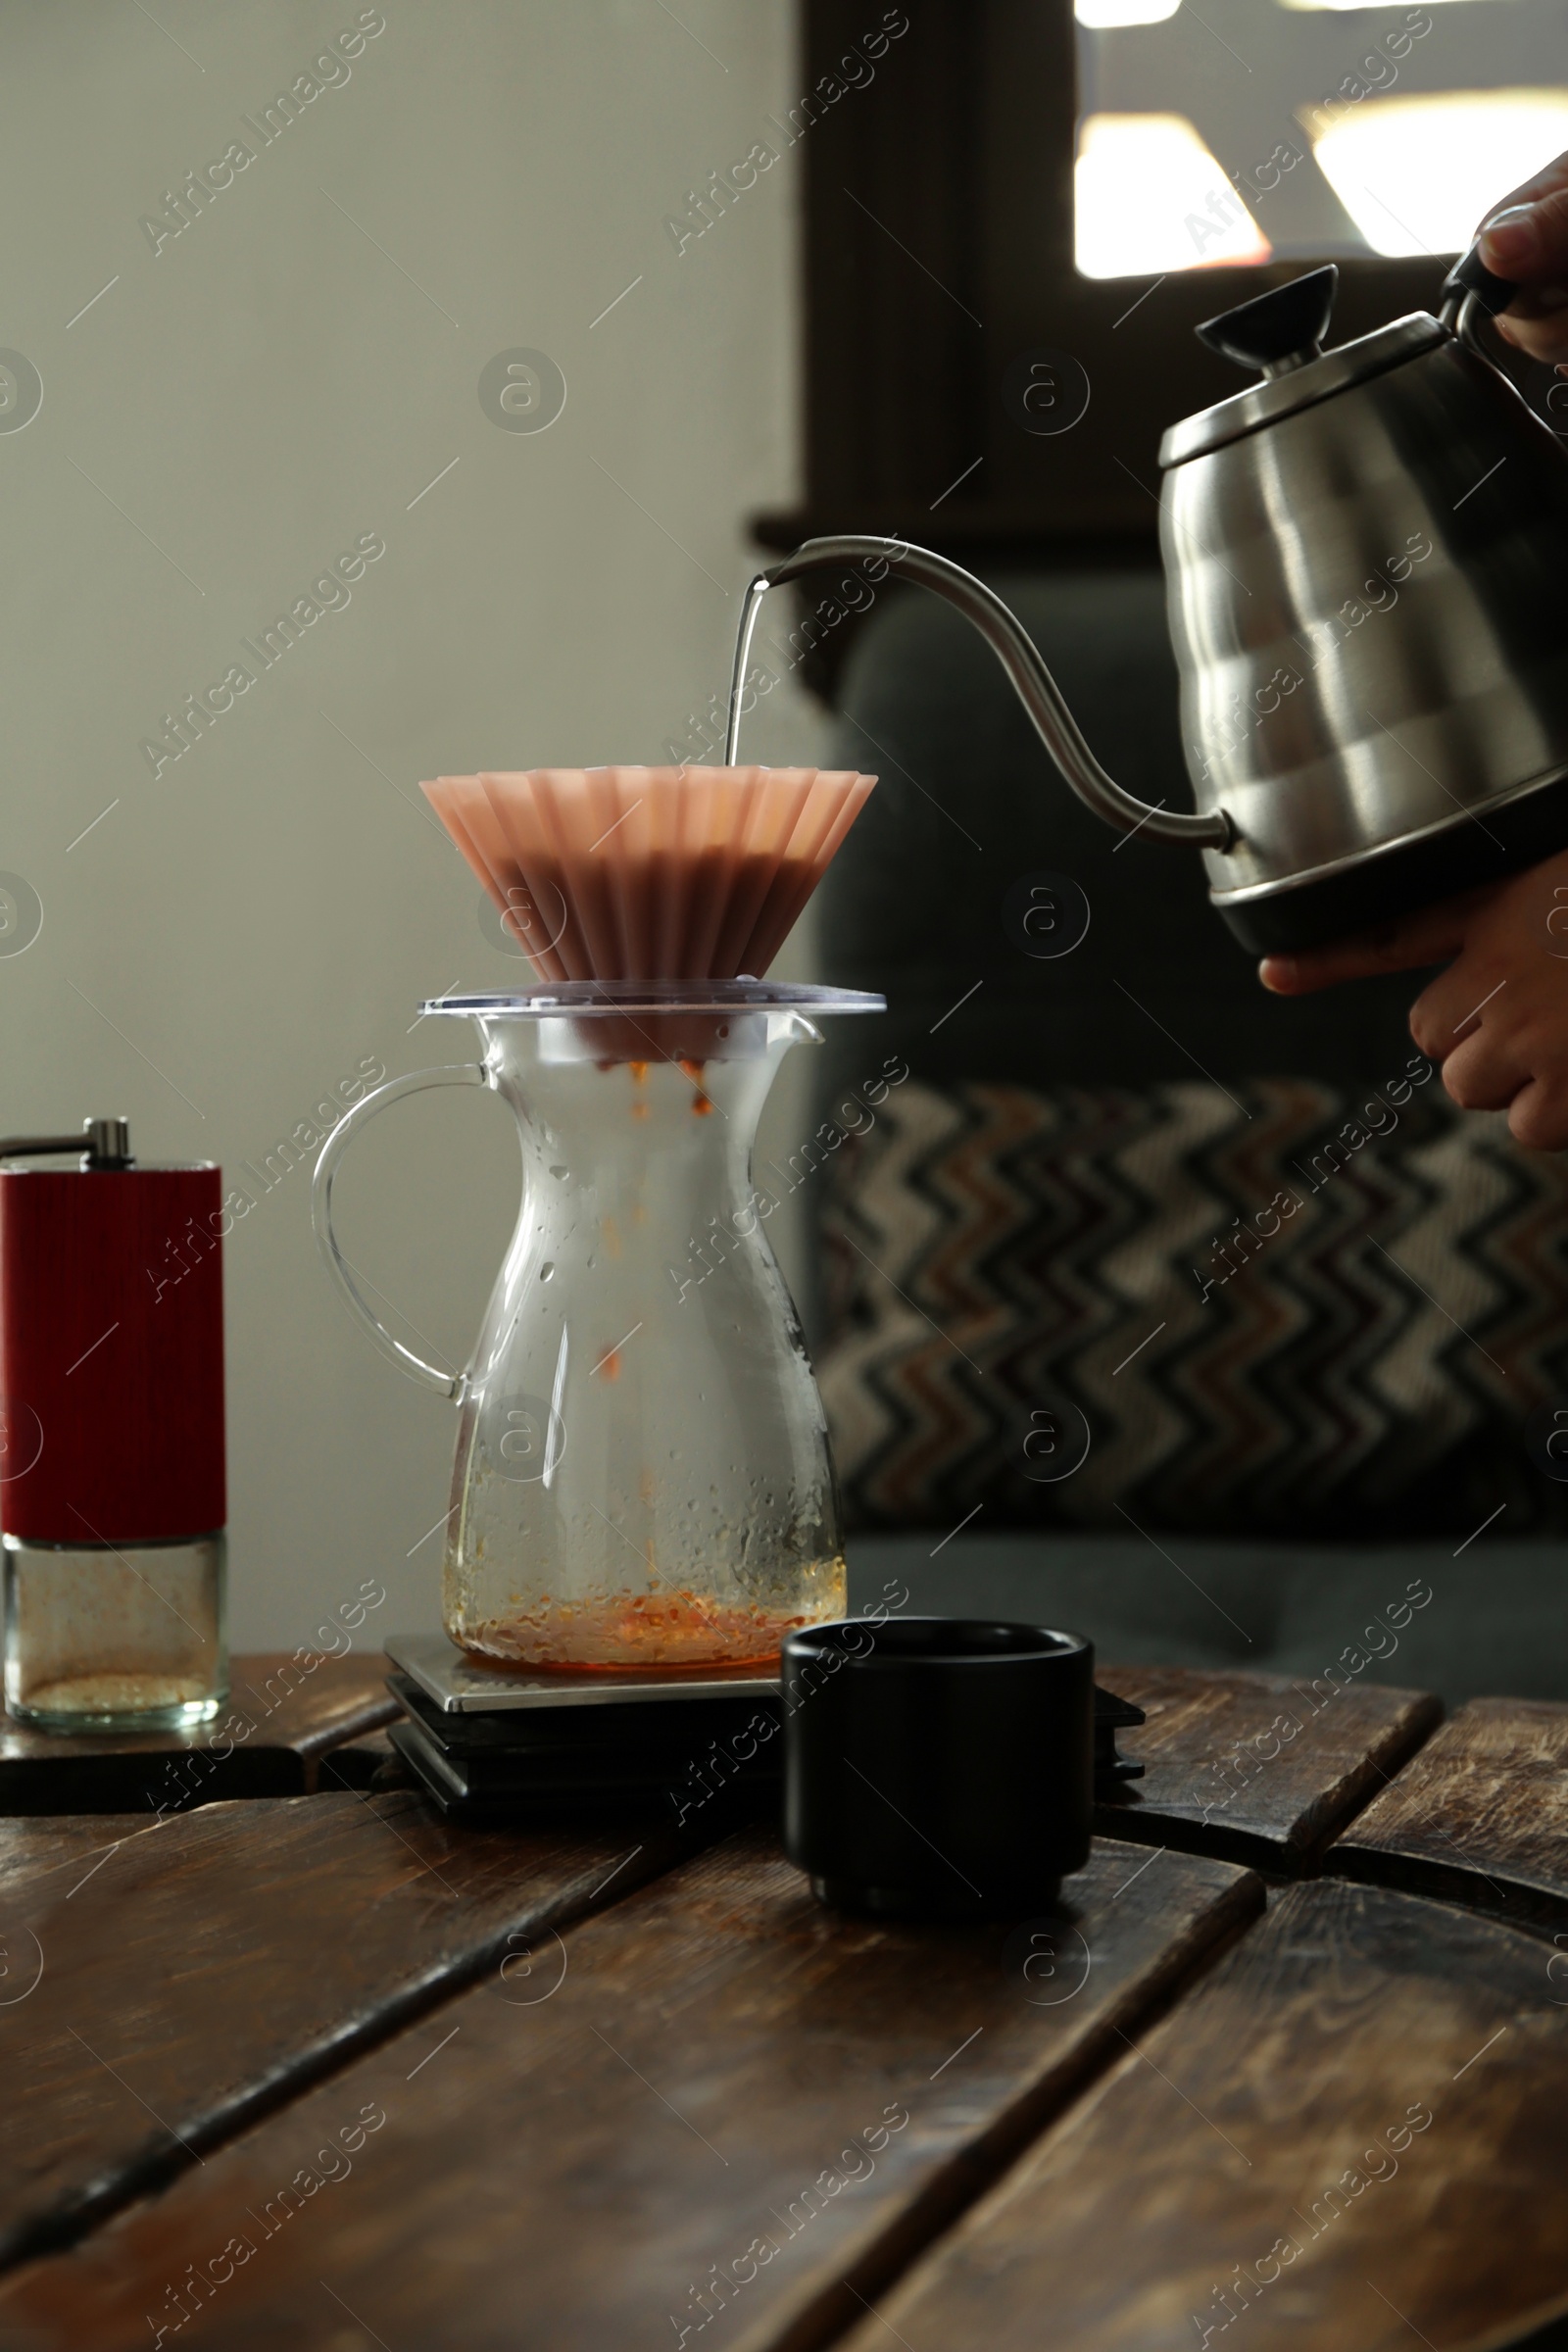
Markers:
<point>1281,333</point>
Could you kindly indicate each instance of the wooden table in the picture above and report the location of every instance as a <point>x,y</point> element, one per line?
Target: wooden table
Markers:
<point>324,2070</point>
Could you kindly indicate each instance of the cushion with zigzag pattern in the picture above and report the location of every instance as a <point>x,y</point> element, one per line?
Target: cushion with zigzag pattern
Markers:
<point>1282,1312</point>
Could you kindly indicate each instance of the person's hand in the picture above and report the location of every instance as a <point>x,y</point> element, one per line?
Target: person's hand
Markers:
<point>1497,1019</point>
<point>1525,238</point>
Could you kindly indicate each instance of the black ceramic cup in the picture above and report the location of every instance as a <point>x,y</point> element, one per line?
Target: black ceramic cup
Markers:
<point>935,1767</point>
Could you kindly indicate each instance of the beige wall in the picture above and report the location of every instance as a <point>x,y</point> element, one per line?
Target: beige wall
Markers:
<point>232,414</point>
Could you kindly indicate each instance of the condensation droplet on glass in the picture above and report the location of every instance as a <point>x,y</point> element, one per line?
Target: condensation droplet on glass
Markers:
<point>546,1270</point>
<point>560,1171</point>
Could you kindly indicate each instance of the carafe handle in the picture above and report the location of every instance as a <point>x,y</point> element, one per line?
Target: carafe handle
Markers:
<point>463,1073</point>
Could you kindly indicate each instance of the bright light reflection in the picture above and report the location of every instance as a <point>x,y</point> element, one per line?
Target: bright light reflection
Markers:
<point>1416,174</point>
<point>1149,197</point>
<point>1319,3</point>
<point>1103,15</point>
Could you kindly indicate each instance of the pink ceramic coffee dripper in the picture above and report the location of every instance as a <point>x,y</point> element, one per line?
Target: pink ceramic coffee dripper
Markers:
<point>645,873</point>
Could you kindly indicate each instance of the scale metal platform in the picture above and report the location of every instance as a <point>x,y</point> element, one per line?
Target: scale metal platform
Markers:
<point>453,1682</point>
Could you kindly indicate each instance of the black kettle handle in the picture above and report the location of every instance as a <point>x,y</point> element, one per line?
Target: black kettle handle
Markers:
<point>1472,277</point>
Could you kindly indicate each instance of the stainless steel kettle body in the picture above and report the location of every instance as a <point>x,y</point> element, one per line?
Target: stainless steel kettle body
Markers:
<point>1366,558</point>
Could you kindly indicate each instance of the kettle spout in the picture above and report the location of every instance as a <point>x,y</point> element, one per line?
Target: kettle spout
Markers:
<point>1019,656</point>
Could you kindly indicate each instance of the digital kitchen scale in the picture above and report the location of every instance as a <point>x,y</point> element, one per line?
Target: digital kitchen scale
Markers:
<point>495,1743</point>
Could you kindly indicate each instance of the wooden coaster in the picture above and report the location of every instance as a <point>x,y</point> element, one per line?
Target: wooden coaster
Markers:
<point>284,1712</point>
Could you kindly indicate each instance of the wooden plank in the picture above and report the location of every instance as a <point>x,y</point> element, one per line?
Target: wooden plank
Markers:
<point>1255,1767</point>
<point>220,1960</point>
<point>37,1846</point>
<point>717,2077</point>
<point>43,1860</point>
<point>1261,2160</point>
<point>1480,1816</point>
<point>285,1711</point>
<point>310,1706</point>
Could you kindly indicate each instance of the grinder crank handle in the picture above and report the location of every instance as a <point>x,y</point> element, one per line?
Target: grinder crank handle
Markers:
<point>466,1074</point>
<point>1019,656</point>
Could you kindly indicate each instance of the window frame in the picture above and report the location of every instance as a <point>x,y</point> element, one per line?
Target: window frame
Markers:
<point>936,247</point>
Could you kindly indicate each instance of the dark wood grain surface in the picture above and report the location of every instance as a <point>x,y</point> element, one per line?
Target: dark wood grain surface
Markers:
<point>1350,2138</point>
<point>719,2093</point>
<point>44,1861</point>
<point>1255,1767</point>
<point>215,1962</point>
<point>34,1848</point>
<point>1479,1815</point>
<point>285,1711</point>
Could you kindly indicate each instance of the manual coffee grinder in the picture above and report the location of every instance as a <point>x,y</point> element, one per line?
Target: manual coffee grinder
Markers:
<point>112,1472</point>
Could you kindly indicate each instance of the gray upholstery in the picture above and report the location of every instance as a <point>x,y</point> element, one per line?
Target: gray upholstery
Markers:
<point>1495,1622</point>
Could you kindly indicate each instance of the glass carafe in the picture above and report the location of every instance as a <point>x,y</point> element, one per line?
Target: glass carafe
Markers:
<point>642,1474</point>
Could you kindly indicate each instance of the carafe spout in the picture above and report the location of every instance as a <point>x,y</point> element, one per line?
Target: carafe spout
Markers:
<point>1019,656</point>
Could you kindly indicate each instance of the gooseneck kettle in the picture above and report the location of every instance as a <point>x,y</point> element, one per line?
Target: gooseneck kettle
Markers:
<point>1366,558</point>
